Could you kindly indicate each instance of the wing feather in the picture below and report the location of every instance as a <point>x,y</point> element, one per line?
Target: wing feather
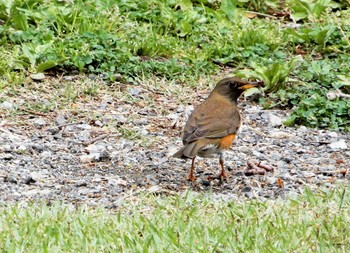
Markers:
<point>212,120</point>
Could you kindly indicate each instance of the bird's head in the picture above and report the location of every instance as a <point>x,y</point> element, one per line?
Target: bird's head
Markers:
<point>233,87</point>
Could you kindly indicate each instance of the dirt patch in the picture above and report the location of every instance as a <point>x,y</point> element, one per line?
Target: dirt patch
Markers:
<point>98,146</point>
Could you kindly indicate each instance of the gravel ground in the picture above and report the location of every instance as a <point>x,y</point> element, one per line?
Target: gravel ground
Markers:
<point>99,150</point>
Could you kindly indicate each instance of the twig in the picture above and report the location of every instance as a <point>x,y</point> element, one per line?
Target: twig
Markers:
<point>87,143</point>
<point>337,94</point>
<point>70,124</point>
<point>34,113</point>
<point>260,14</point>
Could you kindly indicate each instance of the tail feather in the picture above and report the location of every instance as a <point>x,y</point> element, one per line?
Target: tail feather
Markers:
<point>190,150</point>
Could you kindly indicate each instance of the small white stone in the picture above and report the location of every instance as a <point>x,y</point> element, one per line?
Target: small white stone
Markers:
<point>341,144</point>
<point>87,158</point>
<point>275,120</point>
<point>39,122</point>
<point>281,135</point>
<point>6,105</point>
<point>332,134</point>
<point>84,135</point>
<point>38,76</point>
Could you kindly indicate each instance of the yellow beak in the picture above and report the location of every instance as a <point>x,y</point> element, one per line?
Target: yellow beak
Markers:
<point>247,86</point>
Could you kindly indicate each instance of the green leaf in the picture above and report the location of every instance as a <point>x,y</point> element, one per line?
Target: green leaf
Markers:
<point>21,21</point>
<point>186,5</point>
<point>46,65</point>
<point>251,92</point>
<point>29,53</point>
<point>228,7</point>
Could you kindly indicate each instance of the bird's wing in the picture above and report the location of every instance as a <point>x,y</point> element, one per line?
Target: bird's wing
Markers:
<point>207,121</point>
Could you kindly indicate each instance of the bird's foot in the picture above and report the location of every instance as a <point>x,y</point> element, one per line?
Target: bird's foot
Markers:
<point>257,168</point>
<point>191,178</point>
<point>223,177</point>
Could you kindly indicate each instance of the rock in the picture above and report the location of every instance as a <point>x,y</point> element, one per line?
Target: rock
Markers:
<point>96,148</point>
<point>29,180</point>
<point>282,166</point>
<point>46,154</point>
<point>341,144</point>
<point>7,157</point>
<point>257,154</point>
<point>61,120</point>
<point>245,149</point>
<point>88,158</point>
<point>20,149</point>
<point>35,192</point>
<point>38,175</point>
<point>11,179</point>
<point>39,123</point>
<point>332,134</point>
<point>7,148</point>
<point>117,181</point>
<point>84,126</point>
<point>80,183</point>
<point>84,135</point>
<point>280,135</point>
<point>68,78</point>
<point>6,105</point>
<point>98,123</point>
<point>302,129</point>
<point>120,118</point>
<point>141,121</point>
<point>247,189</point>
<point>134,91</point>
<point>38,76</point>
<point>37,147</point>
<point>275,121</point>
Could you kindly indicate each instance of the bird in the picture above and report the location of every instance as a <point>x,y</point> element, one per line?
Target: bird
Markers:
<point>213,125</point>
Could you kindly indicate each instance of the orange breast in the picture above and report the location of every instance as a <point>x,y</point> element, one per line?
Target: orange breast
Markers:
<point>226,141</point>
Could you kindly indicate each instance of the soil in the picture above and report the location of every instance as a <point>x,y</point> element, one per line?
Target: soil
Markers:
<point>97,150</point>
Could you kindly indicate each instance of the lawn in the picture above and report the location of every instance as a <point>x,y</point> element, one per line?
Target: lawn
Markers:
<point>144,222</point>
<point>299,49</point>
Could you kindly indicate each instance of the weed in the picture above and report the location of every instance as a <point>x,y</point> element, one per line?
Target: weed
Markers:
<point>184,41</point>
<point>315,220</point>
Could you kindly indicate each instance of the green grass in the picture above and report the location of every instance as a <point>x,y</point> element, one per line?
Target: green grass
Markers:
<point>185,41</point>
<point>315,221</point>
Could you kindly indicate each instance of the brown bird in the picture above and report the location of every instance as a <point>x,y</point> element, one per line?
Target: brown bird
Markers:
<point>213,125</point>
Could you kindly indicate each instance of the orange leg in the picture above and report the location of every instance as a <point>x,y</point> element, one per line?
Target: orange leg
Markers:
<point>221,160</point>
<point>191,177</point>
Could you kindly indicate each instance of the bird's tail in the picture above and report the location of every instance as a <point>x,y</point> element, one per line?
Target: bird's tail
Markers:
<point>188,151</point>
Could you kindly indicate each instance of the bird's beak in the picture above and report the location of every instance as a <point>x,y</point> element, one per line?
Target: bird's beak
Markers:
<point>248,85</point>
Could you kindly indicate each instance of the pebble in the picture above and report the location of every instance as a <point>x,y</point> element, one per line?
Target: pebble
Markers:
<point>61,120</point>
<point>247,189</point>
<point>96,148</point>
<point>41,161</point>
<point>7,105</point>
<point>38,76</point>
<point>7,157</point>
<point>84,135</point>
<point>39,122</point>
<point>134,91</point>
<point>88,158</point>
<point>29,180</point>
<point>275,121</point>
<point>80,183</point>
<point>280,135</point>
<point>341,144</point>
<point>84,126</point>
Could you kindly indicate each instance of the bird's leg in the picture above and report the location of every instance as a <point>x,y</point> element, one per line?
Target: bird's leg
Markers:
<point>221,160</point>
<point>191,177</point>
